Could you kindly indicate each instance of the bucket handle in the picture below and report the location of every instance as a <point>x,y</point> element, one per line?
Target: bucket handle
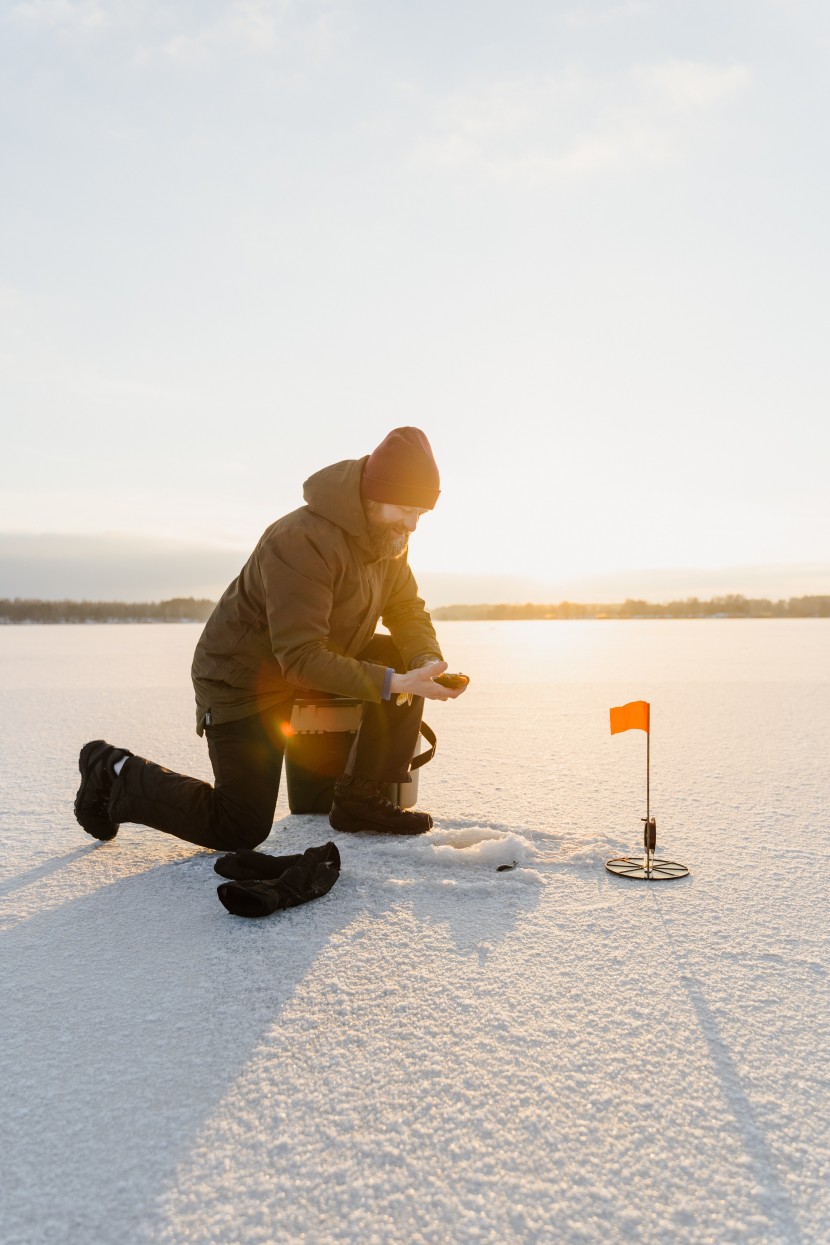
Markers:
<point>422,758</point>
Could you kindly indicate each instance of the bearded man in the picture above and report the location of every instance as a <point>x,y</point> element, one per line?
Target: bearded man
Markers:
<point>300,616</point>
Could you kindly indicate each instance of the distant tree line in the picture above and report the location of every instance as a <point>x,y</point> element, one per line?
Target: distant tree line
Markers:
<point>179,609</point>
<point>191,609</point>
<point>733,606</point>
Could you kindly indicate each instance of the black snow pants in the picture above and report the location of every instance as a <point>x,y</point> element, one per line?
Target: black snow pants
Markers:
<point>246,755</point>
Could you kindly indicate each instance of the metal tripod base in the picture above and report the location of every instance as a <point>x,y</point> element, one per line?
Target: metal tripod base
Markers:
<point>658,870</point>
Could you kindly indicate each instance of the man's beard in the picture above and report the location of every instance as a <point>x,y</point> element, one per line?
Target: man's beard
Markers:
<point>387,540</point>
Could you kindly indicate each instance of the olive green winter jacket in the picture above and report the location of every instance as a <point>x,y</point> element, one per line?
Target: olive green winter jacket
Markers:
<point>304,604</point>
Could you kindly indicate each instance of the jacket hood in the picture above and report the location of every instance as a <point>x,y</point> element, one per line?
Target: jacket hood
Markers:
<point>334,494</point>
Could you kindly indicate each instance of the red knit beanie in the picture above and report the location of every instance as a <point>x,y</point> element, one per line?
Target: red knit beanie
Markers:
<point>402,471</point>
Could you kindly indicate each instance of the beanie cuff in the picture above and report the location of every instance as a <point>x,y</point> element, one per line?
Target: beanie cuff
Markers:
<point>397,493</point>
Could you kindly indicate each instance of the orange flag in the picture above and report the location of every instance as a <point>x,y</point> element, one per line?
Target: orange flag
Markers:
<point>633,716</point>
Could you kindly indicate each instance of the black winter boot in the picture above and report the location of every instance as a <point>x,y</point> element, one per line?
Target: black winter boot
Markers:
<point>95,763</point>
<point>361,806</point>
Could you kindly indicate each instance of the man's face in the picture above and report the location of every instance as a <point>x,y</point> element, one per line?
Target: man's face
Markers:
<point>390,527</point>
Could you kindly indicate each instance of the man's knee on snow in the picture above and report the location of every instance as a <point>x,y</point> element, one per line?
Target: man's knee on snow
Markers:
<point>243,837</point>
<point>240,828</point>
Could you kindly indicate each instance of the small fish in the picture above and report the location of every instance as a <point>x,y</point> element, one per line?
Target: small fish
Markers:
<point>504,868</point>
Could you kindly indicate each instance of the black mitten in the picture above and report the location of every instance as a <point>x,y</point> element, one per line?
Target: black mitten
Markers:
<point>305,880</point>
<point>250,866</point>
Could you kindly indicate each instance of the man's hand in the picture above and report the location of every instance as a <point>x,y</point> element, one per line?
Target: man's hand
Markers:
<point>420,683</point>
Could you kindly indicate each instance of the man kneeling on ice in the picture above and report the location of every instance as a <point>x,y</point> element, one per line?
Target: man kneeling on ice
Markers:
<point>300,616</point>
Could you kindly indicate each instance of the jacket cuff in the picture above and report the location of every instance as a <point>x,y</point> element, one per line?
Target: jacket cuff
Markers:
<point>386,691</point>
<point>423,659</point>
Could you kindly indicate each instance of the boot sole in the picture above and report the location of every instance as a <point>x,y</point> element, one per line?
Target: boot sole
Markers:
<point>347,826</point>
<point>94,826</point>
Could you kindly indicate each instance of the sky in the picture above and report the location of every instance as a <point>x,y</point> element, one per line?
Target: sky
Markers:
<point>581,244</point>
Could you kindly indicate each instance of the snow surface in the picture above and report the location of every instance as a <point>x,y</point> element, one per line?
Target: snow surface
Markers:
<point>435,1051</point>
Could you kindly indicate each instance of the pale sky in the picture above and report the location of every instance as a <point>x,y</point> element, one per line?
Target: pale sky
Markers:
<point>583,245</point>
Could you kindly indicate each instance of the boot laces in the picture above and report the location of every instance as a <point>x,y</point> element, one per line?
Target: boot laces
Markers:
<point>384,805</point>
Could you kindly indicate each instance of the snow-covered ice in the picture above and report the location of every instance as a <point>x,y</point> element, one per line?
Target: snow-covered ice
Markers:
<point>436,1051</point>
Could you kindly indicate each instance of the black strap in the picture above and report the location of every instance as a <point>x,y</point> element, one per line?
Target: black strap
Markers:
<point>422,758</point>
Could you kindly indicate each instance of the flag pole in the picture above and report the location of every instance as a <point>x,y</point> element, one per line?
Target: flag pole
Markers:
<point>649,827</point>
<point>648,799</point>
<point>637,715</point>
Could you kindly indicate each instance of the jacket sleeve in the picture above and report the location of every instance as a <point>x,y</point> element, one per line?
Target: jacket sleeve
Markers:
<point>405,614</point>
<point>298,584</point>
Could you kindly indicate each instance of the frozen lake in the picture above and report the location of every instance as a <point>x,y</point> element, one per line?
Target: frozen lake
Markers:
<point>435,1052</point>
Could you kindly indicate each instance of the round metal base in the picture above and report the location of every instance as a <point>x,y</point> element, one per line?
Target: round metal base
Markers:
<point>660,871</point>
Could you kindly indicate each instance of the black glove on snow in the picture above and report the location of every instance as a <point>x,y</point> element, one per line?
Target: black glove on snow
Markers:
<point>303,878</point>
<point>250,866</point>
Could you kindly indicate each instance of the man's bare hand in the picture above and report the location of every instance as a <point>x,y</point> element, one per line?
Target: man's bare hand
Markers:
<point>420,682</point>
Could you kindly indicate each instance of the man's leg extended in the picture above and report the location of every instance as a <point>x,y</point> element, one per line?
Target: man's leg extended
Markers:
<point>236,812</point>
